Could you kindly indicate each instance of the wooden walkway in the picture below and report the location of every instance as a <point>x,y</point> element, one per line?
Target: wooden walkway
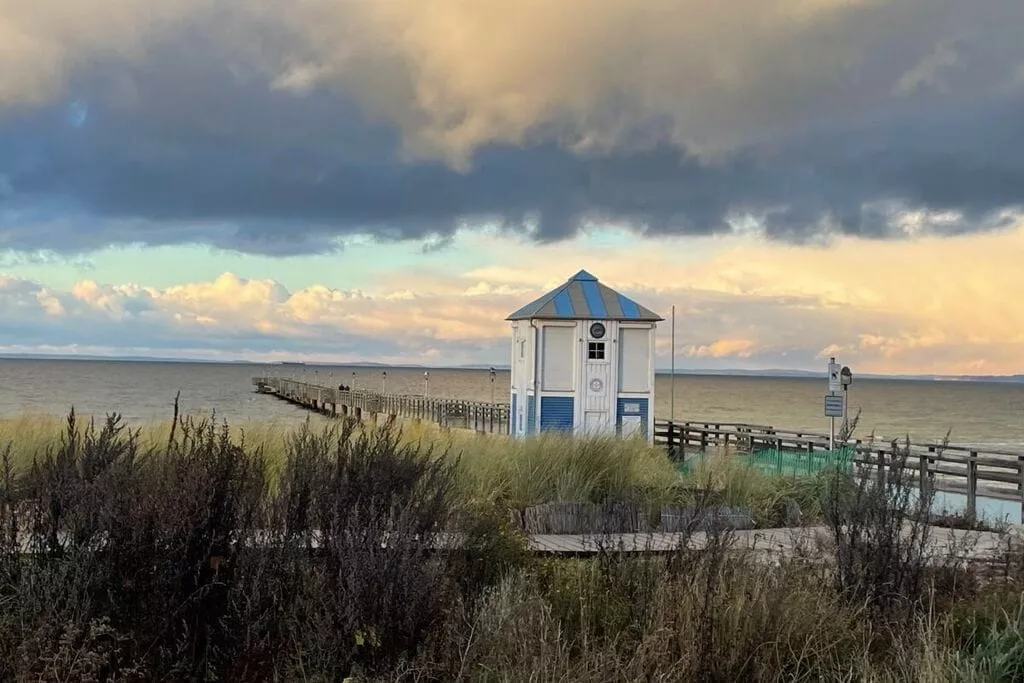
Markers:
<point>775,544</point>
<point>771,545</point>
<point>490,418</point>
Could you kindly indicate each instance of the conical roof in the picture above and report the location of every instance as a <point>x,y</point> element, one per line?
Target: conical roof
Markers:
<point>582,297</point>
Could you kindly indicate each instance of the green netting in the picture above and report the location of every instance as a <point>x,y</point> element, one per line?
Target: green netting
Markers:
<point>787,462</point>
<point>796,463</point>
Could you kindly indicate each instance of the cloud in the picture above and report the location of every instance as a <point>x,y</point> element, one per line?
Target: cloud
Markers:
<point>282,128</point>
<point>879,308</point>
<point>714,75</point>
<point>724,348</point>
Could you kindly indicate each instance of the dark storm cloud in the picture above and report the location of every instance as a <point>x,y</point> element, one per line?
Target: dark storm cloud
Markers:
<point>186,146</point>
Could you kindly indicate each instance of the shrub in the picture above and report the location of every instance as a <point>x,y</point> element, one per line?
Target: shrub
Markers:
<point>879,525</point>
<point>182,561</point>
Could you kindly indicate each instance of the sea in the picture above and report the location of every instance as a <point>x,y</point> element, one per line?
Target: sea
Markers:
<point>971,412</point>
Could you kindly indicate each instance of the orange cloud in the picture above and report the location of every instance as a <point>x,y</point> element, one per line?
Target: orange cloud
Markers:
<point>724,348</point>
<point>924,306</point>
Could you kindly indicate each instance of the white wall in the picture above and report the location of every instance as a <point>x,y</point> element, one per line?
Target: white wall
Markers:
<point>634,360</point>
<point>558,358</point>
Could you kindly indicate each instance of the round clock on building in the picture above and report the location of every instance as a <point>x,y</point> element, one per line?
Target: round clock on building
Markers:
<point>597,330</point>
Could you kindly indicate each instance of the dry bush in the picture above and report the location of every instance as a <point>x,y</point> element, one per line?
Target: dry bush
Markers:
<point>885,557</point>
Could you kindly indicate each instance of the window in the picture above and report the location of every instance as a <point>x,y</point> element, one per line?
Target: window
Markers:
<point>595,351</point>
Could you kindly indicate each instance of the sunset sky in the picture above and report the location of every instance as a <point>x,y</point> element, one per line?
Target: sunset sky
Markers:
<point>386,180</point>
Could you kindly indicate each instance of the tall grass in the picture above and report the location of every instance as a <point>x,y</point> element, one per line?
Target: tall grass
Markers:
<point>518,473</point>
<point>30,436</point>
<point>490,469</point>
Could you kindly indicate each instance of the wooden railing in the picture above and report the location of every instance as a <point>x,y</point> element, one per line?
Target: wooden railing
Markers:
<point>490,418</point>
<point>969,470</point>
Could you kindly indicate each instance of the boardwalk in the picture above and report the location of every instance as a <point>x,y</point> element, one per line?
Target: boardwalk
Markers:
<point>776,544</point>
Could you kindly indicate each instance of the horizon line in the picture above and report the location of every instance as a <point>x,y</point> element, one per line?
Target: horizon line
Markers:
<point>736,371</point>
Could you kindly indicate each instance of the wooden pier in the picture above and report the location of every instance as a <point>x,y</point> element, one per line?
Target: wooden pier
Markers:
<point>489,418</point>
<point>971,471</point>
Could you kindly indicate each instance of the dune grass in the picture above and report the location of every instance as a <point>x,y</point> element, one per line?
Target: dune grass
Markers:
<point>492,469</point>
<point>31,436</point>
<point>502,471</point>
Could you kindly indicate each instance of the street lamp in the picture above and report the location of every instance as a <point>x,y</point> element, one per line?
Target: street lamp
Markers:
<point>383,382</point>
<point>846,379</point>
<point>492,386</point>
<point>426,383</point>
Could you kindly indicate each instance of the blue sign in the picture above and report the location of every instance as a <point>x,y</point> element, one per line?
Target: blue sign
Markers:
<point>834,405</point>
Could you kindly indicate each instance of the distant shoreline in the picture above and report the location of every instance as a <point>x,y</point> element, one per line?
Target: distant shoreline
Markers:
<point>663,372</point>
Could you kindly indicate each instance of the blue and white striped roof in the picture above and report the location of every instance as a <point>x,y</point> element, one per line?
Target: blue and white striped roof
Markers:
<point>582,297</point>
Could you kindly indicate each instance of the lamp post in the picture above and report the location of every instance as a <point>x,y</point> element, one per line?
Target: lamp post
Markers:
<point>426,383</point>
<point>353,381</point>
<point>492,386</point>
<point>846,379</point>
<point>383,381</point>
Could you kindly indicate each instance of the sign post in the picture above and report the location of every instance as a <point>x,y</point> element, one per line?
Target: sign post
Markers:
<point>839,381</point>
<point>834,387</point>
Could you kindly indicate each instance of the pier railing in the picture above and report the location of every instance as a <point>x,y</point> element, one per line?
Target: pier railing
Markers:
<point>492,418</point>
<point>968,470</point>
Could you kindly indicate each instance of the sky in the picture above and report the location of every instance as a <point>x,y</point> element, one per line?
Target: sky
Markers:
<point>386,180</point>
